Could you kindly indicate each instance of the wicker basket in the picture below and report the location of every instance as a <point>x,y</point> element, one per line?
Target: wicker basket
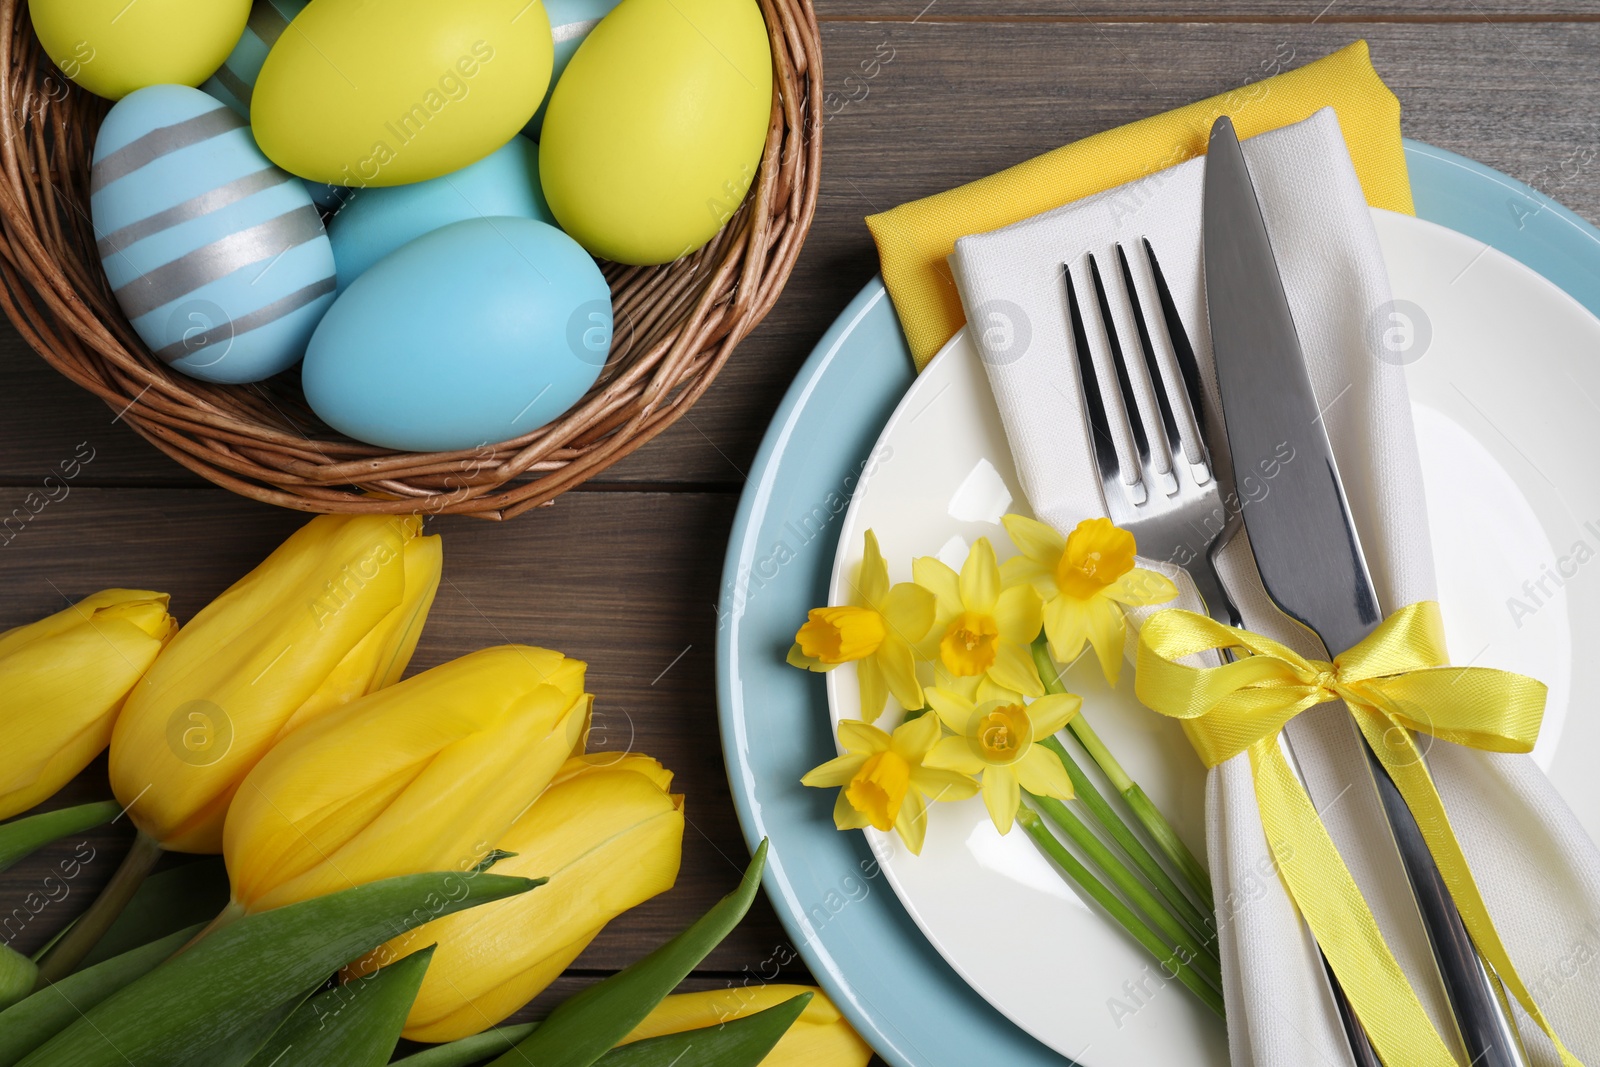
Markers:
<point>676,325</point>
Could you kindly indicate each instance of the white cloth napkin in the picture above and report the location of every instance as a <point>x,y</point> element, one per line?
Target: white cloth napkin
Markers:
<point>1538,870</point>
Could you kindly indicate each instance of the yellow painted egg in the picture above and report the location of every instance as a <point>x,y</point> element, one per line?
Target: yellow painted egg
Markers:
<point>388,92</point>
<point>654,132</point>
<point>112,47</point>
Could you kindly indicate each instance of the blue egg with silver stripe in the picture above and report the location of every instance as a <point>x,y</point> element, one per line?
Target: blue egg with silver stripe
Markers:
<point>217,257</point>
<point>234,83</point>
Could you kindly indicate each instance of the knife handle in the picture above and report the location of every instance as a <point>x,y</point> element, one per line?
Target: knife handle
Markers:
<point>1487,1033</point>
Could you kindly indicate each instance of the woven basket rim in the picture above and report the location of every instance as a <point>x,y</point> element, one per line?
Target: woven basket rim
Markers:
<point>675,325</point>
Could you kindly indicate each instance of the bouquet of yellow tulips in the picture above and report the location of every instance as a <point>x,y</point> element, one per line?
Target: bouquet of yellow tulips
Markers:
<point>407,857</point>
<point>972,661</point>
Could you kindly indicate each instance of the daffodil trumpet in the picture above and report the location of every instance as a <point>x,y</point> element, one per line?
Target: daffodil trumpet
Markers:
<point>1174,962</point>
<point>1144,809</point>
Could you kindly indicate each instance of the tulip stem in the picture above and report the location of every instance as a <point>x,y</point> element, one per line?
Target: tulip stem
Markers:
<point>65,955</point>
<point>1149,816</point>
<point>1173,963</point>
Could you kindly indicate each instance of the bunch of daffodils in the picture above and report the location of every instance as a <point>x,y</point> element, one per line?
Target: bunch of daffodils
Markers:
<point>972,661</point>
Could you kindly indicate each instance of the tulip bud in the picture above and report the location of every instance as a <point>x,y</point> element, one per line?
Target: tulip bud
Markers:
<point>62,680</point>
<point>334,613</point>
<point>819,1038</point>
<point>608,836</point>
<point>425,775</point>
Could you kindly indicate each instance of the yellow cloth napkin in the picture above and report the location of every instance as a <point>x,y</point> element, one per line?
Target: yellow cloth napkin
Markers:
<point>914,239</point>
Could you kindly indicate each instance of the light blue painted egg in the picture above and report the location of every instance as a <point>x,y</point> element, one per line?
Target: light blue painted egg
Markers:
<point>374,222</point>
<point>235,81</point>
<point>570,23</point>
<point>476,333</point>
<point>216,256</point>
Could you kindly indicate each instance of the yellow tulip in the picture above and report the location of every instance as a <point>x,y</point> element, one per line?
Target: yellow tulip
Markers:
<point>607,834</point>
<point>425,775</point>
<point>62,680</point>
<point>819,1038</point>
<point>334,613</point>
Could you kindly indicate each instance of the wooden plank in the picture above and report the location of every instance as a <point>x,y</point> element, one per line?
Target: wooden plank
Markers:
<point>1302,11</point>
<point>917,108</point>
<point>625,581</point>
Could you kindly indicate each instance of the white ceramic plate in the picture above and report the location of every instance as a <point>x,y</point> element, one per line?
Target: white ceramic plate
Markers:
<point>1506,387</point>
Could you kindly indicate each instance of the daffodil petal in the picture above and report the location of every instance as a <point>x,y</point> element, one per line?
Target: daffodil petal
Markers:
<point>914,738</point>
<point>1013,668</point>
<point>873,583</point>
<point>863,739</point>
<point>1041,773</point>
<point>941,581</point>
<point>1020,569</point>
<point>912,822</point>
<point>953,754</point>
<point>836,772</point>
<point>899,668</point>
<point>953,709</point>
<point>1053,711</point>
<point>909,609</point>
<point>1019,613</point>
<point>1140,587</point>
<point>1107,632</point>
<point>845,816</point>
<point>799,659</point>
<point>1001,795</point>
<point>1066,624</point>
<point>942,785</point>
<point>1035,540</point>
<point>980,578</point>
<point>874,690</point>
<point>989,692</point>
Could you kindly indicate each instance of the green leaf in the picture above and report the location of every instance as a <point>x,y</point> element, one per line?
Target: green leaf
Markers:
<point>589,1023</point>
<point>166,902</point>
<point>216,988</point>
<point>743,1042</point>
<point>23,836</point>
<point>17,976</point>
<point>238,1049</point>
<point>466,1051</point>
<point>26,1026</point>
<point>356,1024</point>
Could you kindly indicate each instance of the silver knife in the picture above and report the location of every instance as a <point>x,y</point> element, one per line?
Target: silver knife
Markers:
<point>1305,544</point>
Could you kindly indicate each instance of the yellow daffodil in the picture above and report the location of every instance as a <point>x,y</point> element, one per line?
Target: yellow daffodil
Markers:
<point>819,1038</point>
<point>1085,579</point>
<point>607,833</point>
<point>882,780</point>
<point>333,613</point>
<point>996,741</point>
<point>983,625</point>
<point>876,635</point>
<point>62,680</point>
<point>425,775</point>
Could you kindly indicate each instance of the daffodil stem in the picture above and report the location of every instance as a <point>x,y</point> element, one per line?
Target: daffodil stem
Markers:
<point>1133,848</point>
<point>1205,959</point>
<point>1149,816</point>
<point>1171,961</point>
<point>65,955</point>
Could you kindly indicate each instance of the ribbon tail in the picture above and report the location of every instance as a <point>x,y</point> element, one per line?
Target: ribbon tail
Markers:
<point>1331,903</point>
<point>1405,764</point>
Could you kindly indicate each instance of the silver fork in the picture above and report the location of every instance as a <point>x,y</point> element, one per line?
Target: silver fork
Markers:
<point>1168,494</point>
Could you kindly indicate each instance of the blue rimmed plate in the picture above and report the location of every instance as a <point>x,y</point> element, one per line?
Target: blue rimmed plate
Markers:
<point>828,889</point>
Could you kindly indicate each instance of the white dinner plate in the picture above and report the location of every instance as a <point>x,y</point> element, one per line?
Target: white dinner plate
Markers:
<point>1506,389</point>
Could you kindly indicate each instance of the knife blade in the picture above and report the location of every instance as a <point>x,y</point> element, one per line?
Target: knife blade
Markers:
<point>1306,546</point>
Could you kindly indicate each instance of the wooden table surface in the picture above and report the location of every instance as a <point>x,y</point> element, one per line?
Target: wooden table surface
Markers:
<point>625,572</point>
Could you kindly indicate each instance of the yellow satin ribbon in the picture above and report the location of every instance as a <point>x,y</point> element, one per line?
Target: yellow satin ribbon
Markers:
<point>1394,682</point>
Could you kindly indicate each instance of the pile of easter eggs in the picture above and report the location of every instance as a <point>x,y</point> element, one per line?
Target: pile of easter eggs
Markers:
<point>407,197</point>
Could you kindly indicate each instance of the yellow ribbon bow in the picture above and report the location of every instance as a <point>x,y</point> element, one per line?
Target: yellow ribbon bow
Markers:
<point>1395,681</point>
